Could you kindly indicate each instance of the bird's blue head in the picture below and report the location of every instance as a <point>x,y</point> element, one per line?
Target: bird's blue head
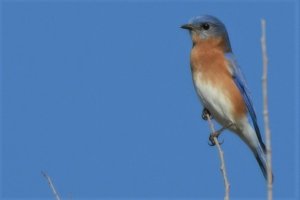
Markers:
<point>207,27</point>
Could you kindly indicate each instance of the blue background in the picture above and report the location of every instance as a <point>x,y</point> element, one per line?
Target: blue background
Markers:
<point>99,95</point>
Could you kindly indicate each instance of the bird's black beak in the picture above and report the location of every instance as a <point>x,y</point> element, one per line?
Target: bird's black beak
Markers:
<point>187,26</point>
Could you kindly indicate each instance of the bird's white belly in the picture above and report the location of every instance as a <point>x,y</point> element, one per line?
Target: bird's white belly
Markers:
<point>215,100</point>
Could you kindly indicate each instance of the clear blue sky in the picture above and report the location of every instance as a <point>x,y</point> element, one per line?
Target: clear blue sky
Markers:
<point>99,95</point>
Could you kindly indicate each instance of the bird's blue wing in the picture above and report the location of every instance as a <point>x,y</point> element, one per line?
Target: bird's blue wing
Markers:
<point>241,84</point>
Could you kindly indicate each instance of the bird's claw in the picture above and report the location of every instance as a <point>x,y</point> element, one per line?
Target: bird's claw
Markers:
<point>212,141</point>
<point>206,114</point>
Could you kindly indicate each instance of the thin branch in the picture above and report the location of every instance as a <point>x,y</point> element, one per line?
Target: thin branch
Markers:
<point>266,110</point>
<point>51,185</point>
<point>221,156</point>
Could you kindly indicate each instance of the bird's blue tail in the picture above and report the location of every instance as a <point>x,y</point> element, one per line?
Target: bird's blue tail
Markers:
<point>260,156</point>
<point>257,147</point>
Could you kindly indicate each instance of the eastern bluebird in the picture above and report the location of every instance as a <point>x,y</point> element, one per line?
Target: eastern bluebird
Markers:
<point>220,84</point>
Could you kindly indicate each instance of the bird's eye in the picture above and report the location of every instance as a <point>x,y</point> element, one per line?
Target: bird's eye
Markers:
<point>205,26</point>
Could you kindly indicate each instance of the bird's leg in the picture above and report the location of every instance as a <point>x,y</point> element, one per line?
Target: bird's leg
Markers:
<point>206,114</point>
<point>217,134</point>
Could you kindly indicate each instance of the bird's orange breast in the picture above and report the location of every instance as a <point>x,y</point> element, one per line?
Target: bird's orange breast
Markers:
<point>207,59</point>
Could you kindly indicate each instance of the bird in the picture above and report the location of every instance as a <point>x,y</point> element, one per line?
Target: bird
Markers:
<point>221,86</point>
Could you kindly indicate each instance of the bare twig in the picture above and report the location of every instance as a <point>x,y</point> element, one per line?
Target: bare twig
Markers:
<point>221,156</point>
<point>56,196</point>
<point>266,110</point>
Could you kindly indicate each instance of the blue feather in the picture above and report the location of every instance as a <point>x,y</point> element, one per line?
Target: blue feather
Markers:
<point>241,84</point>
